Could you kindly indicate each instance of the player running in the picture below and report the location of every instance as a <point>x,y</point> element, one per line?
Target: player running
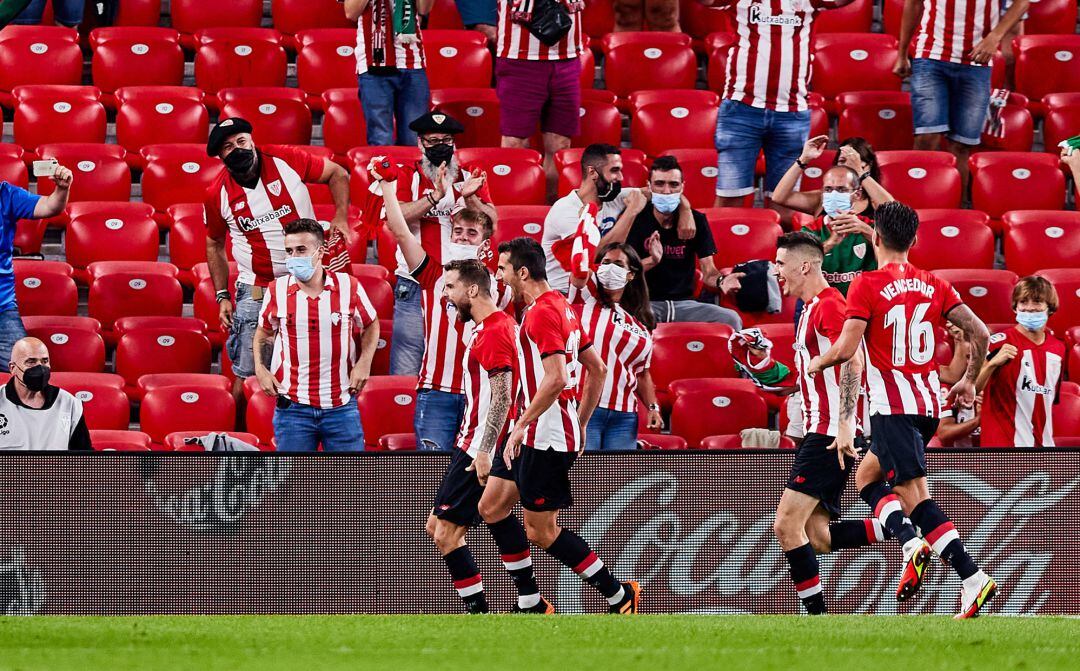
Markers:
<point>549,432</point>
<point>898,308</point>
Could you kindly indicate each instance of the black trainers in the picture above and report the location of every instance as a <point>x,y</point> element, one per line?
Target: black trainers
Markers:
<point>629,604</point>
<point>476,607</point>
<point>543,608</point>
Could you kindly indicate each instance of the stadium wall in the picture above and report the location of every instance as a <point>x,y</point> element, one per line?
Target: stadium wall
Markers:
<point>127,534</point>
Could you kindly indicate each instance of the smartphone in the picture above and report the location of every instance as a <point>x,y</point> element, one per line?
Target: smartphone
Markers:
<point>45,168</point>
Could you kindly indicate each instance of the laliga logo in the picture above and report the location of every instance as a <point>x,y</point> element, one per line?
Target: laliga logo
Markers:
<point>22,589</point>
<point>239,484</point>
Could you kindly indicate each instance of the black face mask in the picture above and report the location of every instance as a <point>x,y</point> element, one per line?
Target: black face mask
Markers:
<point>240,161</point>
<point>607,191</point>
<point>36,378</point>
<point>439,154</point>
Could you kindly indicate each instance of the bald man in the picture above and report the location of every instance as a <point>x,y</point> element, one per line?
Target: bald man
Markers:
<point>35,415</point>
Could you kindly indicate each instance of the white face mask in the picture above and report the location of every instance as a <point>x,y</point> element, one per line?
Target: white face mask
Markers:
<point>456,252</point>
<point>611,276</point>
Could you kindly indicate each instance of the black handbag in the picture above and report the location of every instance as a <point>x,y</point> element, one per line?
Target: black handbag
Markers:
<point>550,21</point>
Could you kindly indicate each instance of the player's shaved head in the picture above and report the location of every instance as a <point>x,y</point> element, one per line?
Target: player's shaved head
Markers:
<point>802,244</point>
<point>28,348</point>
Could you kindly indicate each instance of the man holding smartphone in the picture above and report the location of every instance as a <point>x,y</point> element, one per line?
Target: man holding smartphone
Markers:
<point>15,204</point>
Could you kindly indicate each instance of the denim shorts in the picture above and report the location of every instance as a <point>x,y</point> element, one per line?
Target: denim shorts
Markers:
<point>438,416</point>
<point>611,430</point>
<point>66,12</point>
<point>949,98</point>
<point>242,333</point>
<point>742,132</point>
<point>474,12</point>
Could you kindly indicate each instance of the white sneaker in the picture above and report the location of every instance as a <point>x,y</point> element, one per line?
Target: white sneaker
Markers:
<point>976,593</point>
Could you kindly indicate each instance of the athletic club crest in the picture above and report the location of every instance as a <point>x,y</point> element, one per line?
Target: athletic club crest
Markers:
<point>274,187</point>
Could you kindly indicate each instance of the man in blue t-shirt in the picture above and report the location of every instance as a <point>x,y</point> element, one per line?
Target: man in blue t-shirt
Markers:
<point>16,204</point>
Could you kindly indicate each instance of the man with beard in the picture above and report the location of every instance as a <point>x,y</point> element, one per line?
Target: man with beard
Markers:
<point>427,211</point>
<point>251,201</point>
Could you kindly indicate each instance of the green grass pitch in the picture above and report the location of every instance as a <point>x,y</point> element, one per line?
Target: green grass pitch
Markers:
<point>548,643</point>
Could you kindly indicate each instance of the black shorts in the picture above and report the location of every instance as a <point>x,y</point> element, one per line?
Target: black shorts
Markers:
<point>459,493</point>
<point>816,472</point>
<point>498,466</point>
<point>543,478</point>
<point>899,442</point>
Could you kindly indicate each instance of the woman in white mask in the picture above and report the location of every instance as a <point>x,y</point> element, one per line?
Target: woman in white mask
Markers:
<point>616,314</point>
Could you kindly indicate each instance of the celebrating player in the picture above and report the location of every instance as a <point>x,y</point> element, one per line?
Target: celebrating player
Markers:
<point>898,308</point>
<point>548,434</point>
<point>1023,377</point>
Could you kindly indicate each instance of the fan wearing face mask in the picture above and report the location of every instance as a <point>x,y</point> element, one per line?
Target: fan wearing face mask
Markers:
<point>617,317</point>
<point>440,398</point>
<point>35,415</point>
<point>1021,380</point>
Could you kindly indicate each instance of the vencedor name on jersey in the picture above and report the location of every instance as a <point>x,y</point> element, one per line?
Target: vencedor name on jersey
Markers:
<point>906,285</point>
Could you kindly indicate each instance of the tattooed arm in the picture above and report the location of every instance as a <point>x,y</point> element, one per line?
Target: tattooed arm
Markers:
<point>976,333</point>
<point>850,385</point>
<point>498,409</point>
<point>263,346</point>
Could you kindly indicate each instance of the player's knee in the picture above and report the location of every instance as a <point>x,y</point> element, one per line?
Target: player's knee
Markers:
<point>820,539</point>
<point>541,531</point>
<point>787,532</point>
<point>447,537</point>
<point>492,511</point>
<point>430,526</point>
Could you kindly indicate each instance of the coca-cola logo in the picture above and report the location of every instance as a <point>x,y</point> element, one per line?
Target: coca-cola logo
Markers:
<point>22,589</point>
<point>238,484</point>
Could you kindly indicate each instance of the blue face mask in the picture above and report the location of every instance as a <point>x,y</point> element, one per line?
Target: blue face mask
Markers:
<point>1032,321</point>
<point>300,267</point>
<point>834,202</point>
<point>666,202</point>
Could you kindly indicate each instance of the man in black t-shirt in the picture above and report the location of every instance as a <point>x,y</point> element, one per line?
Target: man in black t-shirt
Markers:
<point>670,261</point>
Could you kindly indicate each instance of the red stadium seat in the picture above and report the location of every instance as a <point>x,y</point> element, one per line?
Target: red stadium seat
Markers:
<point>516,221</point>
<point>387,404</point>
<point>1051,17</point>
<point>380,365</point>
<point>177,173</point>
<point>853,62</point>
<point>987,292</point>
<point>191,16</point>
<point>100,269</point>
<point>49,114</point>
<point>1003,181</point>
<point>259,412</point>
<point>100,171</point>
<point>31,267</point>
<point>138,13</point>
<point>1066,415</point>
<point>370,270</point>
<point>46,293</point>
<point>227,58</point>
<point>1035,245</point>
<point>568,165</point>
<point>380,293</point>
<point>853,18</point>
<point>187,242</point>
<point>598,18</point>
<point>175,441</point>
<point>72,349</point>
<point>939,223</point>
<point>444,15</point>
<point>653,125</point>
<point>1019,127</point>
<point>292,17</point>
<point>921,179</point>
<point>325,60</point>
<point>734,441</point>
<point>104,440</point>
<point>718,46</point>
<point>588,71</point>
<point>514,176</point>
<point>636,61</point>
<point>107,237</point>
<point>170,409</point>
<point>40,55</point>
<point>133,292</point>
<point>29,235</point>
<point>148,115</point>
<point>709,407</point>
<point>457,59</point>
<point>158,324</point>
<point>1061,120</point>
<point>1046,64</point>
<point>476,109</point>
<point>686,350</point>
<point>105,405</point>
<point>743,234</point>
<point>699,175</point>
<point>277,115</point>
<point>205,307</point>
<point>1066,282</point>
<point>936,246</point>
<point>661,441</point>
<point>343,123</point>
<point>882,117</point>
<point>60,322</point>
<point>600,123</point>
<point>135,56</point>
<point>12,167</point>
<point>151,381</point>
<point>396,442</point>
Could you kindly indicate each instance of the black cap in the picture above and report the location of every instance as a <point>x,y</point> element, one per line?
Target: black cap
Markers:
<point>225,129</point>
<point>436,122</point>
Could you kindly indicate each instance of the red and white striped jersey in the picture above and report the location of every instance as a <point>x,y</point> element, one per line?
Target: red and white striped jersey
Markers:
<point>820,324</point>
<point>549,326</point>
<point>1018,401</point>
<point>493,348</point>
<point>445,336</point>
<point>255,218</point>
<point>950,29</point>
<point>625,346</point>
<point>434,229</point>
<point>517,43</point>
<point>314,349</point>
<point>404,56</point>
<point>770,64</point>
<point>903,307</point>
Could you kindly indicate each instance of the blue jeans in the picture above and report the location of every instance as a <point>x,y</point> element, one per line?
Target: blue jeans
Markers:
<point>437,419</point>
<point>742,132</point>
<point>402,97</point>
<point>611,430</point>
<point>242,333</point>
<point>66,12</point>
<point>11,332</point>
<point>300,428</point>
<point>474,12</point>
<point>407,341</point>
<point>949,97</point>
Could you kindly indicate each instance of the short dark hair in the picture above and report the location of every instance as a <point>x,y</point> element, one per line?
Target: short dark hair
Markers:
<point>801,241</point>
<point>471,272</point>
<point>595,156</point>
<point>664,164</point>
<point>865,152</point>
<point>305,226</point>
<point>896,224</point>
<point>477,218</point>
<point>528,254</point>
